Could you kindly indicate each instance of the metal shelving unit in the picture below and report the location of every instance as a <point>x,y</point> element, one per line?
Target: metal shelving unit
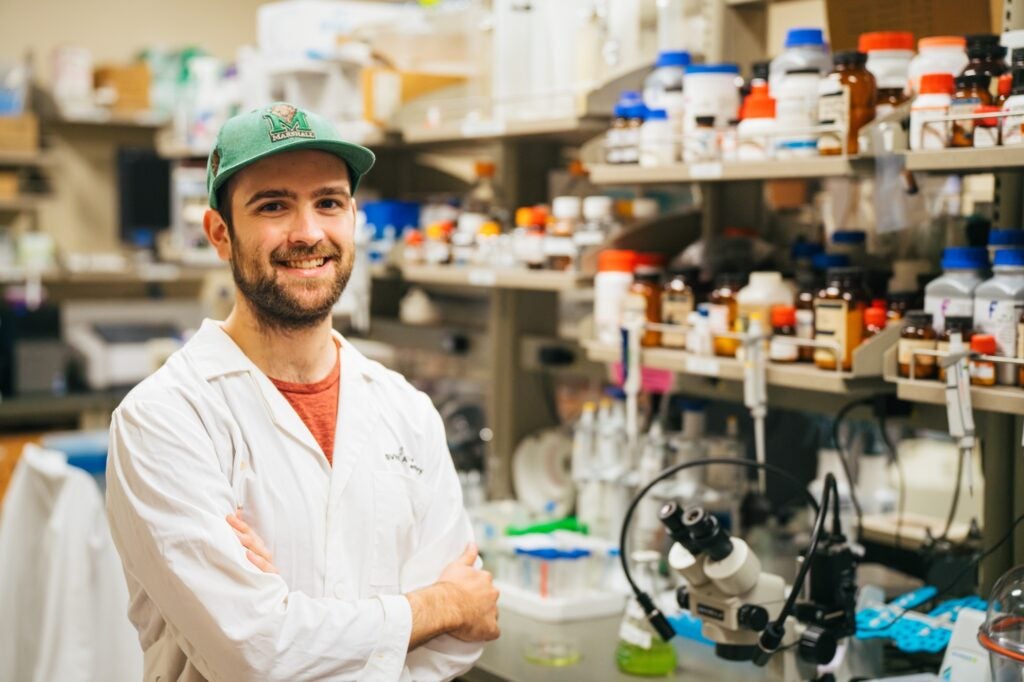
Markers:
<point>571,130</point>
<point>528,280</point>
<point>967,160</point>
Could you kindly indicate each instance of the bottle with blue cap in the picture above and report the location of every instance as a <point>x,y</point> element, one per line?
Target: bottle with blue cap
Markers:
<point>952,293</point>
<point>658,142</point>
<point>711,90</point>
<point>804,48</point>
<point>998,303</point>
<point>1004,238</point>
<point>663,87</point>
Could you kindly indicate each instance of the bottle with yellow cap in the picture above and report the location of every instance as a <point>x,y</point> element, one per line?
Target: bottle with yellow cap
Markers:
<point>488,243</point>
<point>437,250</point>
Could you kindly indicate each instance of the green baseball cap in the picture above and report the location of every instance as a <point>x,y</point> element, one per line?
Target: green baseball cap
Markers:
<point>280,127</point>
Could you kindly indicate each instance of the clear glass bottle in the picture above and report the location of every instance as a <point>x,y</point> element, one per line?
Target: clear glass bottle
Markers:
<point>917,334</point>
<point>839,316</point>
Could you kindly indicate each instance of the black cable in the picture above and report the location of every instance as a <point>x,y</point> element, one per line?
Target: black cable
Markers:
<point>970,567</point>
<point>642,597</point>
<point>901,501</point>
<point>955,503</point>
<point>840,416</point>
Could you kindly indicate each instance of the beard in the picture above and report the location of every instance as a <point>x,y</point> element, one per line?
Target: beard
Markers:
<point>275,304</point>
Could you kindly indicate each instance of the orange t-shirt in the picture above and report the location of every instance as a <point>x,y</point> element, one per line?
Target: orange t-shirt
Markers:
<point>317,405</point>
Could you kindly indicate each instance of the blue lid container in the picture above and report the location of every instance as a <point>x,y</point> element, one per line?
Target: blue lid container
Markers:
<point>803,250</point>
<point>849,237</point>
<point>964,258</point>
<point>397,214</point>
<point>680,58</point>
<point>1006,238</point>
<point>731,69</point>
<point>1009,258</point>
<point>657,115</point>
<point>824,261</point>
<point>805,37</point>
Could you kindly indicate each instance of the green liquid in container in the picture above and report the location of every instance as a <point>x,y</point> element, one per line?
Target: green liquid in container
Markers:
<point>658,661</point>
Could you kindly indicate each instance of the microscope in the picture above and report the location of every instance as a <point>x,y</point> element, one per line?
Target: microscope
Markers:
<point>740,606</point>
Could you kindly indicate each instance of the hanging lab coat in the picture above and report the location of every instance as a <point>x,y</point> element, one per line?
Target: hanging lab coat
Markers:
<point>62,595</point>
<point>209,433</point>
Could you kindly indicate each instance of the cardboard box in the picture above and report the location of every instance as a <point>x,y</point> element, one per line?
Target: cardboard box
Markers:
<point>847,20</point>
<point>130,83</point>
<point>385,90</point>
<point>19,133</point>
<point>8,184</point>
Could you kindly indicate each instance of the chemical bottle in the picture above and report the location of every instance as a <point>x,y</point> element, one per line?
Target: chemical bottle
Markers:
<point>613,139</point>
<point>583,442</point>
<point>763,291</point>
<point>875,319</point>
<point>663,88</point>
<point>952,293</point>
<point>611,285</point>
<point>482,197</point>
<point>971,93</point>
<point>796,111</point>
<point>641,651</point>
<point>722,312</point>
<point>643,301</point>
<point>630,148</point>
<point>986,57</point>
<point>957,327</point>
<point>698,336</point>
<point>710,90</point>
<point>783,325</point>
<point>757,125</point>
<point>839,316</point>
<point>983,372</point>
<point>933,103</point>
<point>808,285</point>
<point>998,303</point>
<point>986,130</point>
<point>889,56</point>
<point>804,48</point>
<point>658,145</point>
<point>701,144</point>
<point>559,248</point>
<point>1013,124</point>
<point>937,54</point>
<point>598,222</point>
<point>847,99</point>
<point>677,303</point>
<point>917,334</point>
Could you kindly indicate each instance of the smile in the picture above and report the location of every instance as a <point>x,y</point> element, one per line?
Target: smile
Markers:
<point>306,265</point>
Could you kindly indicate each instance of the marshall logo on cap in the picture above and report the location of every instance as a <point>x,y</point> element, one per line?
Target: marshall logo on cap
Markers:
<point>287,122</point>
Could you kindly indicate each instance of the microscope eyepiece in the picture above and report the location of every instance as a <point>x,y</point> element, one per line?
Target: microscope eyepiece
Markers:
<point>707,534</point>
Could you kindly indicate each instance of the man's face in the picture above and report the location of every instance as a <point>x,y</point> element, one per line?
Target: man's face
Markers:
<point>291,242</point>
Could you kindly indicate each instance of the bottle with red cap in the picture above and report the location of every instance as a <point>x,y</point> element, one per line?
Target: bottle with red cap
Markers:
<point>783,325</point>
<point>757,124</point>
<point>889,54</point>
<point>875,319</point>
<point>611,285</point>
<point>933,103</point>
<point>986,130</point>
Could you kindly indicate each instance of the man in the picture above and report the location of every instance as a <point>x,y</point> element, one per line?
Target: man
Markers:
<point>271,427</point>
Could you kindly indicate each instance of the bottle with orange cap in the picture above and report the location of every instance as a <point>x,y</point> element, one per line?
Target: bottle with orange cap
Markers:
<point>932,103</point>
<point>437,248</point>
<point>889,56</point>
<point>482,197</point>
<point>611,285</point>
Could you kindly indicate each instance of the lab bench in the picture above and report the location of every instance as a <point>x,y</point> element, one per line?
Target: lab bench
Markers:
<point>597,639</point>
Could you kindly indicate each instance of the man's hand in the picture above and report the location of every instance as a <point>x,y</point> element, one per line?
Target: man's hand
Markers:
<point>256,550</point>
<point>477,598</point>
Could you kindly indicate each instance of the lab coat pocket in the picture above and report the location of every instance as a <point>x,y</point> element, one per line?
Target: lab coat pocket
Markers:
<point>397,505</point>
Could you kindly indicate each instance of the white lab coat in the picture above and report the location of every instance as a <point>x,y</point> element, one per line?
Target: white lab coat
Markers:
<point>62,597</point>
<point>209,432</point>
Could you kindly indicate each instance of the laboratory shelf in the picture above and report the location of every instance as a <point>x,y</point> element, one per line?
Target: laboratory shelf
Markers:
<point>21,203</point>
<point>42,409</point>
<point>1003,399</point>
<point>36,158</point>
<point>965,160</point>
<point>570,129</point>
<point>531,280</point>
<point>801,376</point>
<point>717,171</point>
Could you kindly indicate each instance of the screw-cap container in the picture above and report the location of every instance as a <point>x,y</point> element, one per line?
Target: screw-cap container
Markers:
<point>964,258</point>
<point>1009,258</point>
<point>937,84</point>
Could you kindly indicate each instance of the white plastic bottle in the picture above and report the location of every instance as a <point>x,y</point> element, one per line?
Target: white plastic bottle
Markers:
<point>598,222</point>
<point>756,130</point>
<point>933,102</point>
<point>796,109</point>
<point>804,48</point>
<point>710,90</point>
<point>611,285</point>
<point>998,303</point>
<point>663,87</point>
<point>889,56</point>
<point>763,291</point>
<point>583,443</point>
<point>938,54</point>
<point>658,146</point>
<point>952,293</point>
<point>1013,126</point>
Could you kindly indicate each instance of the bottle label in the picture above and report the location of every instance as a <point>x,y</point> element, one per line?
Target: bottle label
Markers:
<point>986,136</point>
<point>718,318</point>
<point>834,106</point>
<point>983,370</point>
<point>805,324</point>
<point>781,351</point>
<point>1000,319</point>
<point>675,309</point>
<point>925,131</point>
<point>964,105</point>
<point>942,307</point>
<point>1013,128</point>
<point>907,348</point>
<point>837,321</point>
